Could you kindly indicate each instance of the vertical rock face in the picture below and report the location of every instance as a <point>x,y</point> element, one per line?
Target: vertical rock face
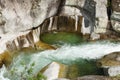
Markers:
<point>101,16</point>
<point>19,15</point>
<point>115,18</point>
<point>94,12</point>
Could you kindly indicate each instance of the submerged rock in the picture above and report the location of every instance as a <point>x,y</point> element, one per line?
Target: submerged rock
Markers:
<point>5,58</point>
<point>25,14</point>
<point>111,64</point>
<point>70,71</point>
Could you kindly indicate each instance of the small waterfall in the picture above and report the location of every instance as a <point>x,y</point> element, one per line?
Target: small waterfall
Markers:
<point>76,22</point>
<point>50,24</point>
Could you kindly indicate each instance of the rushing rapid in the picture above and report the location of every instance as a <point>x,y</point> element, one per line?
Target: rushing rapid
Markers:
<point>65,54</point>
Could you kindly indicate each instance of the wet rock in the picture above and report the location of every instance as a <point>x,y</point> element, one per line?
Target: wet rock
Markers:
<point>93,77</point>
<point>57,70</point>
<point>101,16</point>
<point>5,58</point>
<point>52,71</point>
<point>23,15</point>
<point>116,5</point>
<point>115,17</point>
<point>115,20</point>
<point>70,71</point>
<point>111,64</point>
<point>95,36</point>
<point>43,46</point>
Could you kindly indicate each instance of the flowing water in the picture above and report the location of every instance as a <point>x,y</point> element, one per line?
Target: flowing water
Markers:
<point>67,54</point>
<point>83,55</point>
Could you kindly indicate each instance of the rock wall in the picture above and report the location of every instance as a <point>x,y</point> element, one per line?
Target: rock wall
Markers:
<point>115,18</point>
<point>56,23</point>
<point>16,15</point>
<point>19,15</point>
<point>24,15</point>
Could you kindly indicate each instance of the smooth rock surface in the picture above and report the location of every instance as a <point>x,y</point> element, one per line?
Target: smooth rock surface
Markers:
<point>111,64</point>
<point>93,77</point>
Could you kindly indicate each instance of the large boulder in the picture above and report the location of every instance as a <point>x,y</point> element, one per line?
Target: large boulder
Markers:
<point>70,70</point>
<point>58,71</point>
<point>111,64</point>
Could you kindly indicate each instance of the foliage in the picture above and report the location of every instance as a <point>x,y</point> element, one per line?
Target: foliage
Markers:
<point>26,74</point>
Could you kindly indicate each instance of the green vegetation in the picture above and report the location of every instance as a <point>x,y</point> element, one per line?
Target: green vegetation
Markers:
<point>61,38</point>
<point>14,73</point>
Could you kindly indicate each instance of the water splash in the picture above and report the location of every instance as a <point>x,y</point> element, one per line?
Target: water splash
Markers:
<point>92,50</point>
<point>65,54</point>
<point>50,24</point>
<point>2,71</point>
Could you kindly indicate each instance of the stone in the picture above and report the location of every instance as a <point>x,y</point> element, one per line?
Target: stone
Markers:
<point>5,58</point>
<point>95,36</point>
<point>111,64</point>
<point>115,20</point>
<point>115,17</point>
<point>93,77</point>
<point>101,16</point>
<point>43,46</point>
<point>25,14</point>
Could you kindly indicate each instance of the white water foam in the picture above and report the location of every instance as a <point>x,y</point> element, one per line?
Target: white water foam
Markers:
<point>88,51</point>
<point>2,71</point>
<point>67,52</point>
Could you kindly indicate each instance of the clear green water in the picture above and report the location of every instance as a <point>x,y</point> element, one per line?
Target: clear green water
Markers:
<point>82,67</point>
<point>61,38</point>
